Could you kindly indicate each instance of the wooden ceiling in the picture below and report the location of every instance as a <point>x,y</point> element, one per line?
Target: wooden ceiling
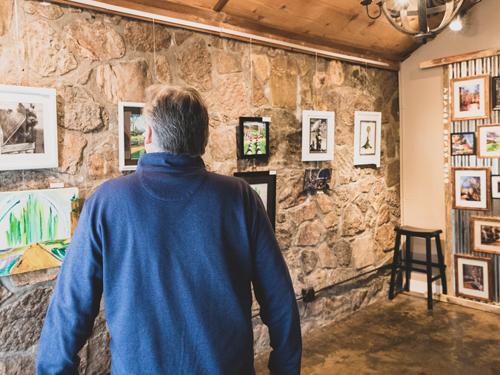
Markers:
<point>340,26</point>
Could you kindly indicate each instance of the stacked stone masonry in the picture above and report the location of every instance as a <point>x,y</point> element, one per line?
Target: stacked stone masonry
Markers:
<point>95,60</point>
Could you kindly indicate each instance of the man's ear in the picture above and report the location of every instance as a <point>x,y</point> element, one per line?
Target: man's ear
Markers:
<point>148,136</point>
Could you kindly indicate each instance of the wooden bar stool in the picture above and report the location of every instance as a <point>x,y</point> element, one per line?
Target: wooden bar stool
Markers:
<point>407,264</point>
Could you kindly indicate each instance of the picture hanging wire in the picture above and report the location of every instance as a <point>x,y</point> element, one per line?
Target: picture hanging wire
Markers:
<point>315,78</point>
<point>154,48</point>
<point>251,70</point>
<point>18,50</point>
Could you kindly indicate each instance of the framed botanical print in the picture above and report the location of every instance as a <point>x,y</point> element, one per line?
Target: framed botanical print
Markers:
<point>367,138</point>
<point>253,138</point>
<point>318,135</point>
<point>488,139</point>
<point>264,183</point>
<point>130,134</point>
<point>474,277</point>
<point>470,98</point>
<point>28,128</point>
<point>471,188</point>
<point>485,234</point>
<point>495,93</point>
<point>463,144</point>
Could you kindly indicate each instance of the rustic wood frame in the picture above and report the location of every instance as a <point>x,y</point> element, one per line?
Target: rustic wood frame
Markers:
<point>486,93</point>
<point>488,187</point>
<point>473,219</point>
<point>489,276</point>
<point>478,139</point>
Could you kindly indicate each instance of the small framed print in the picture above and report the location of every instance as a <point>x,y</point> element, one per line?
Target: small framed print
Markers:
<point>471,188</point>
<point>495,186</point>
<point>485,234</point>
<point>463,144</point>
<point>28,128</point>
<point>318,135</point>
<point>367,138</point>
<point>264,183</point>
<point>488,137</point>
<point>253,138</point>
<point>130,134</point>
<point>495,93</point>
<point>317,180</point>
<point>470,98</point>
<point>474,277</point>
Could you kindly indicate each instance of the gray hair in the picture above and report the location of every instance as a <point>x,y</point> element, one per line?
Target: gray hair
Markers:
<point>179,119</point>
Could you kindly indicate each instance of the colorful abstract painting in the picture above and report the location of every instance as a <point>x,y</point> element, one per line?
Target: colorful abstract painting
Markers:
<point>35,228</point>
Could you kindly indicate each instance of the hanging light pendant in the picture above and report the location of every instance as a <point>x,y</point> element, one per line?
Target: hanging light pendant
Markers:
<point>422,19</point>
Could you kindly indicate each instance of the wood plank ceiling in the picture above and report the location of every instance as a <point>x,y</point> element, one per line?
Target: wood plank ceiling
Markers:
<point>333,25</point>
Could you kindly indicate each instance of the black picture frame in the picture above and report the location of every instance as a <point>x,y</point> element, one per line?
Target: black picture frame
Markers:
<point>263,154</point>
<point>495,93</point>
<point>472,153</point>
<point>269,178</point>
<point>495,193</point>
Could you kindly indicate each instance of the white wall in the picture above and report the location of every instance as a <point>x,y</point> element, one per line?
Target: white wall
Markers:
<point>422,186</point>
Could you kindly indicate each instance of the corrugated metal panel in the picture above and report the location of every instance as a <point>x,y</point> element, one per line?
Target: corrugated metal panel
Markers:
<point>461,228</point>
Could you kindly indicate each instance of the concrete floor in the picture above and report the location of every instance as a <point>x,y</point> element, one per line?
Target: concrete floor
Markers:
<point>401,337</point>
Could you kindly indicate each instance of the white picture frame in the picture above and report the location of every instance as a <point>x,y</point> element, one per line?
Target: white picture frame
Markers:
<point>319,147</point>
<point>367,138</point>
<point>126,161</point>
<point>28,128</point>
<point>471,188</point>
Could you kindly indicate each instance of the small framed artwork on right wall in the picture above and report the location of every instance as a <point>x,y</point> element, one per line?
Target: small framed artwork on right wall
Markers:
<point>495,186</point>
<point>367,138</point>
<point>474,277</point>
<point>470,98</point>
<point>488,140</point>
<point>495,93</point>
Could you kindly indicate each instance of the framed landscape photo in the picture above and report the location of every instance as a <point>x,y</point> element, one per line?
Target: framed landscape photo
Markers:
<point>28,128</point>
<point>367,138</point>
<point>474,277</point>
<point>488,138</point>
<point>485,234</point>
<point>495,93</point>
<point>264,183</point>
<point>130,134</point>
<point>463,144</point>
<point>470,98</point>
<point>318,135</point>
<point>253,138</point>
<point>471,188</point>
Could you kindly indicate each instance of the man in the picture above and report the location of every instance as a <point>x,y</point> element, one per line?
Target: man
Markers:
<point>175,250</point>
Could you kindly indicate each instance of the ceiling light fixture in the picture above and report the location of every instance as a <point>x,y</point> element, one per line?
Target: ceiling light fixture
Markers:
<point>422,19</point>
<point>457,24</point>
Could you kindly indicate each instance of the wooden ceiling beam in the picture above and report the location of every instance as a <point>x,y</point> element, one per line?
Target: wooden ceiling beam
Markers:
<point>220,5</point>
<point>219,23</point>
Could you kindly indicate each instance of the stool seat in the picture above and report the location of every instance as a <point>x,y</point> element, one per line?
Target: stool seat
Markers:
<point>407,264</point>
<point>407,230</point>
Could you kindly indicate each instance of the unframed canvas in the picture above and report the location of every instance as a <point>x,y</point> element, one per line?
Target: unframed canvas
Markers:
<point>35,228</point>
<point>474,277</point>
<point>130,134</point>
<point>367,138</point>
<point>28,128</point>
<point>470,98</point>
<point>318,135</point>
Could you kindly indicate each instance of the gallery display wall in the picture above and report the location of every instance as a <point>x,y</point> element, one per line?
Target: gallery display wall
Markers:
<point>94,61</point>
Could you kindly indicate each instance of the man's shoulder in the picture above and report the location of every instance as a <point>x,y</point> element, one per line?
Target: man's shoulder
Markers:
<point>229,182</point>
<point>115,187</point>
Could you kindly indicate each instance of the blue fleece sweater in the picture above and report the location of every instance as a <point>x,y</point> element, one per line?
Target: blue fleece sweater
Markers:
<point>175,250</point>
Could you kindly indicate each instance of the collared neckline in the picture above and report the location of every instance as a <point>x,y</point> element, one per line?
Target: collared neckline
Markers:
<point>170,162</point>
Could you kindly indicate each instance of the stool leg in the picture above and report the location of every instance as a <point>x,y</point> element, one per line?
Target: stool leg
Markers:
<point>429,272</point>
<point>408,263</point>
<point>395,263</point>
<point>442,267</point>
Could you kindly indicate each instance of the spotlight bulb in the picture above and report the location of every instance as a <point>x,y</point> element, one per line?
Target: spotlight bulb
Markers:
<point>456,24</point>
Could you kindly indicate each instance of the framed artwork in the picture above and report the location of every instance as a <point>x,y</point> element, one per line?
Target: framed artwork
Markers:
<point>495,93</point>
<point>264,183</point>
<point>463,144</point>
<point>471,188</point>
<point>35,228</point>
<point>474,277</point>
<point>130,134</point>
<point>367,138</point>
<point>495,186</point>
<point>488,141</point>
<point>485,234</point>
<point>317,180</point>
<point>470,98</point>
<point>318,135</point>
<point>253,138</point>
<point>28,128</point>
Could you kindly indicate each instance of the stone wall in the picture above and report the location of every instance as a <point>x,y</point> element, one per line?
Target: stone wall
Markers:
<point>95,60</point>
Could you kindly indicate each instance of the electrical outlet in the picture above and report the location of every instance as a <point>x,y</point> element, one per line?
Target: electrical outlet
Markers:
<point>308,295</point>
